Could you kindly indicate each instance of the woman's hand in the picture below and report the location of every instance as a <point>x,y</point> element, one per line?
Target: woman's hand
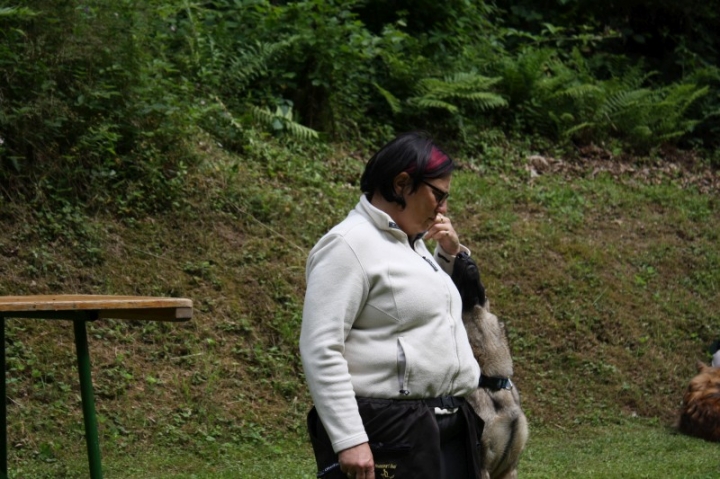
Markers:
<point>443,232</point>
<point>357,462</point>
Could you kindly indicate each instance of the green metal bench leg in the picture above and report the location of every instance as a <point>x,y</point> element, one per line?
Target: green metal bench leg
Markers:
<point>88,399</point>
<point>3,404</point>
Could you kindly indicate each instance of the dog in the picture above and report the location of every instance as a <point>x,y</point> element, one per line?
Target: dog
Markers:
<point>700,412</point>
<point>496,400</point>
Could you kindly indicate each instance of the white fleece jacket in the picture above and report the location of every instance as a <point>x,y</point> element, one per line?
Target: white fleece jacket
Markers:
<point>380,319</point>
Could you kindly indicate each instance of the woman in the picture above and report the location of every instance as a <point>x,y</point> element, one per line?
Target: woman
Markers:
<point>384,350</point>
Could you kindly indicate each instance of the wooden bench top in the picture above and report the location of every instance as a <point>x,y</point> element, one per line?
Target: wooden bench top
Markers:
<point>147,308</point>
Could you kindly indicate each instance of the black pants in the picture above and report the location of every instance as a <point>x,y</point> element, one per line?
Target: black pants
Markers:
<point>454,460</point>
<point>408,441</point>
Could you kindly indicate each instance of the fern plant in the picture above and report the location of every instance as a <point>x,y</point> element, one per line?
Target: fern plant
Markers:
<point>230,64</point>
<point>522,73</point>
<point>640,115</point>
<point>251,64</point>
<point>281,121</point>
<point>452,92</point>
<point>17,12</point>
<point>566,102</point>
<point>460,95</point>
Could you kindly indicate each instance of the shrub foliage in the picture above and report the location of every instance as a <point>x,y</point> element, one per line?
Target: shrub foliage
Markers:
<point>99,99</point>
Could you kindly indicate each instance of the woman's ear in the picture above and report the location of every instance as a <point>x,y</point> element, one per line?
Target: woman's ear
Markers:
<point>401,182</point>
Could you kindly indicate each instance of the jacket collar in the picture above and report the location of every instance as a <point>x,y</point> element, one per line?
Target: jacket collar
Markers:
<point>382,220</point>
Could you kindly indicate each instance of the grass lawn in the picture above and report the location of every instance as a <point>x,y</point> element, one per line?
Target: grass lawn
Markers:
<point>630,451</point>
<point>608,284</point>
<point>639,449</point>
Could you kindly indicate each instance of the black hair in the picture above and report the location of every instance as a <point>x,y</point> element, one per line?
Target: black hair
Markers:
<point>414,153</point>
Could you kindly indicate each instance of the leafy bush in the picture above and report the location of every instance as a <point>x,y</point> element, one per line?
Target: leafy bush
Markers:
<point>101,100</point>
<point>88,105</point>
<point>567,100</point>
<point>707,108</point>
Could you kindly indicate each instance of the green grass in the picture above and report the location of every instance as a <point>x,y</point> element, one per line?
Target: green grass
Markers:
<point>635,450</point>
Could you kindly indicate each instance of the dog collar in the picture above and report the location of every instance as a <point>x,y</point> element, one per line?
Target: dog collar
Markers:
<point>495,384</point>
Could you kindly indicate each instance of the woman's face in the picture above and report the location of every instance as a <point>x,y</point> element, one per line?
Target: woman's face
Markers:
<point>423,205</point>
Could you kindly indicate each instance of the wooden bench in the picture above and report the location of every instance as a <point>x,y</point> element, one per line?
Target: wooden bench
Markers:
<point>80,309</point>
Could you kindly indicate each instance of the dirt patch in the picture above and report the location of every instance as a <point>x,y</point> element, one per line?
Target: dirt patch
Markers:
<point>684,168</point>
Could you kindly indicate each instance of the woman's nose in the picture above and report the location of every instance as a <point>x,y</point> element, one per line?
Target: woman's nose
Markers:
<point>442,208</point>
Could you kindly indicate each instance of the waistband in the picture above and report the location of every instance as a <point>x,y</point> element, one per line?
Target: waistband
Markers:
<point>442,402</point>
<point>445,402</point>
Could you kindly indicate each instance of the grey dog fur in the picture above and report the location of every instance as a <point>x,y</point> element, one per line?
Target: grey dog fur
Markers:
<point>506,428</point>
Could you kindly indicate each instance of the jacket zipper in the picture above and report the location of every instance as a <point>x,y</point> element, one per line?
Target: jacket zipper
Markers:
<point>402,367</point>
<point>431,263</point>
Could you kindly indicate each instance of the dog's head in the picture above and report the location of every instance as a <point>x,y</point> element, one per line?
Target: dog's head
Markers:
<point>708,378</point>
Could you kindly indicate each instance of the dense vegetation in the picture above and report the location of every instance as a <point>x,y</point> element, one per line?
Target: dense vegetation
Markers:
<point>199,149</point>
<point>103,96</point>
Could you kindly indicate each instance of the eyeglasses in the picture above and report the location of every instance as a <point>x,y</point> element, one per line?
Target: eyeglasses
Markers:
<point>440,195</point>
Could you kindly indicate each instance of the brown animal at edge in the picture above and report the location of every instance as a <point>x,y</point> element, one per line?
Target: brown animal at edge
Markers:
<point>700,413</point>
<point>506,428</point>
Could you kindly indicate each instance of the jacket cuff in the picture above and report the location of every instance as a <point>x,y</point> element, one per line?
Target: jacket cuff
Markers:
<point>446,260</point>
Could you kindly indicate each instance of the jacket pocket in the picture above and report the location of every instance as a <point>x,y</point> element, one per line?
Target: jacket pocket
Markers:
<point>403,371</point>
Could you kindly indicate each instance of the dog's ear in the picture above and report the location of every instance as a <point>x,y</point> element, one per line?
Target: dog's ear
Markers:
<point>466,277</point>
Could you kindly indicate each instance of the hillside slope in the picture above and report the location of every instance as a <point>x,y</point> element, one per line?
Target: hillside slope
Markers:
<point>608,282</point>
